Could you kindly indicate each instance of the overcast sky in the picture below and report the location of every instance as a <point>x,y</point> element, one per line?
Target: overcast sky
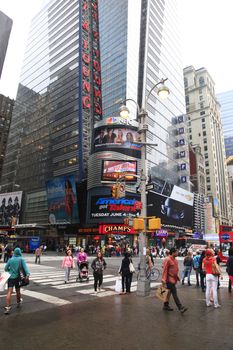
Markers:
<point>206,33</point>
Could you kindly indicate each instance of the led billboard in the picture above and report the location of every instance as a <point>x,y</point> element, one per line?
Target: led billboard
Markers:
<point>114,169</point>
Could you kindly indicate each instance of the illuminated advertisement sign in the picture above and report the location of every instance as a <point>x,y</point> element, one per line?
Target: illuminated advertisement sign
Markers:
<point>117,138</point>
<point>10,207</point>
<point>114,169</point>
<point>116,229</point>
<point>108,207</point>
<point>62,200</point>
<point>171,212</point>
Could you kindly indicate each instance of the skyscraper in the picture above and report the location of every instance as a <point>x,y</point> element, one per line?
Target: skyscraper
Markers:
<point>205,131</point>
<point>226,106</point>
<point>139,46</point>
<point>58,100</point>
<point>5,30</point>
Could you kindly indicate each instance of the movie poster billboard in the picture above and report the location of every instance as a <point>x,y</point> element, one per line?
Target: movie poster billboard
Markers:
<point>10,207</point>
<point>117,138</point>
<point>171,203</point>
<point>62,200</point>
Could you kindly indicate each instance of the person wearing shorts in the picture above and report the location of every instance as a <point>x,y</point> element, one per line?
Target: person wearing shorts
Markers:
<point>12,266</point>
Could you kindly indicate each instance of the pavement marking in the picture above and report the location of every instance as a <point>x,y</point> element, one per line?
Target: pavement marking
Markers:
<point>80,285</point>
<point>45,297</point>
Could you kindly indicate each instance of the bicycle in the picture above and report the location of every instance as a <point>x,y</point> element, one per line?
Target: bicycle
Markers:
<point>152,274</point>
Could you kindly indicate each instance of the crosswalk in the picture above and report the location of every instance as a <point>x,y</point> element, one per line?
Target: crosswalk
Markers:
<point>223,282</point>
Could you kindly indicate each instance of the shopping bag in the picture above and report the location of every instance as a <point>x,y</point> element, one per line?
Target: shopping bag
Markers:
<point>118,285</point>
<point>3,279</point>
<point>162,293</point>
<point>131,268</point>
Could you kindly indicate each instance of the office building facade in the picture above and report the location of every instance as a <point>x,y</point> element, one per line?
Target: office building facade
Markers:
<point>5,30</point>
<point>226,106</point>
<point>205,131</point>
<point>58,101</point>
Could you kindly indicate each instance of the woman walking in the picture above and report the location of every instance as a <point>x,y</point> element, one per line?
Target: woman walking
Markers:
<point>188,264</point>
<point>13,266</point>
<point>210,266</point>
<point>126,275</point>
<point>67,264</point>
<point>98,265</point>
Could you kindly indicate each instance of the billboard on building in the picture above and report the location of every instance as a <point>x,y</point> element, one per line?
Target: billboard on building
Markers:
<point>119,138</point>
<point>114,169</point>
<point>172,204</point>
<point>10,207</point>
<point>62,200</point>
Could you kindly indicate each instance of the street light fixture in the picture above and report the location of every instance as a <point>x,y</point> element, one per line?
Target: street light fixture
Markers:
<point>143,286</point>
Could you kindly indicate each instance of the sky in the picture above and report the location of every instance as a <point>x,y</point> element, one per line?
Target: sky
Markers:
<point>206,29</point>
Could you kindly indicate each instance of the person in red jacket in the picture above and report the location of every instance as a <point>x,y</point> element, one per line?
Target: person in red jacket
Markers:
<point>170,278</point>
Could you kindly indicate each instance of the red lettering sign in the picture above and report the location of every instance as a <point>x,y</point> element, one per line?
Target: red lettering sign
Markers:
<point>86,86</point>
<point>86,58</point>
<point>86,71</point>
<point>85,26</point>
<point>97,79</point>
<point>86,102</point>
<point>96,65</point>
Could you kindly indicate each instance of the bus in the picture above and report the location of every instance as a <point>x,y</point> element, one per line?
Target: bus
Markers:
<point>225,241</point>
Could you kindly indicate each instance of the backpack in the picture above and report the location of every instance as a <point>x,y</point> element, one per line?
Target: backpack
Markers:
<point>196,261</point>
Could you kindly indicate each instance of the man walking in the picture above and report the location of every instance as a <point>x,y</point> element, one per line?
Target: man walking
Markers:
<point>38,253</point>
<point>169,279</point>
<point>196,266</point>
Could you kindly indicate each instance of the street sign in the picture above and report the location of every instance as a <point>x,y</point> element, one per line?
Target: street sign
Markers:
<point>149,187</point>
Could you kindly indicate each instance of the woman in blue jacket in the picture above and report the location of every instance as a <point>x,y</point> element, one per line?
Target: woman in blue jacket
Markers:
<point>12,266</point>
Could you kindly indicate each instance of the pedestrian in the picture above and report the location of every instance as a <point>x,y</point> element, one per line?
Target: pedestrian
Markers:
<point>170,277</point>
<point>209,265</point>
<point>196,266</point>
<point>81,256</point>
<point>230,268</point>
<point>188,264</point>
<point>218,260</point>
<point>202,273</point>
<point>38,253</point>
<point>13,266</point>
<point>98,265</point>
<point>67,264</point>
<point>126,275</point>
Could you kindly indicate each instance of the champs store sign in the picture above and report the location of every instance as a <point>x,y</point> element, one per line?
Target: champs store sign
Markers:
<point>107,207</point>
<point>116,229</point>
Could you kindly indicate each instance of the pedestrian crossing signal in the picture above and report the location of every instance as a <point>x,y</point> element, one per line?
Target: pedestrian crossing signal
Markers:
<point>154,224</point>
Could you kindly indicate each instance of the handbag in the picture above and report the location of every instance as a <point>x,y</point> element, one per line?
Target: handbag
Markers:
<point>118,285</point>
<point>131,267</point>
<point>162,293</point>
<point>215,270</point>
<point>23,279</point>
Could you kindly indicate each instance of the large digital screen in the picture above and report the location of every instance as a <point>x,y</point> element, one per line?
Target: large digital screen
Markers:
<point>114,169</point>
<point>120,139</point>
<point>10,206</point>
<point>62,200</point>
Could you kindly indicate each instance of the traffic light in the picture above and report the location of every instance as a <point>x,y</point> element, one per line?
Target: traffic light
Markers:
<point>155,224</point>
<point>138,224</point>
<point>126,221</point>
<point>114,191</point>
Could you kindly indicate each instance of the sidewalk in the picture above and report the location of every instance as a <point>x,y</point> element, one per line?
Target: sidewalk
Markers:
<point>124,322</point>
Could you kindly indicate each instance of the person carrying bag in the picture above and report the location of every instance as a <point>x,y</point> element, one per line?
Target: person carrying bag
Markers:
<point>14,266</point>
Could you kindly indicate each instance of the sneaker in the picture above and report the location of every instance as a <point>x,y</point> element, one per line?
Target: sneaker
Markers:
<point>217,306</point>
<point>95,292</point>
<point>19,303</point>
<point>208,304</point>
<point>183,309</point>
<point>7,310</point>
<point>167,308</point>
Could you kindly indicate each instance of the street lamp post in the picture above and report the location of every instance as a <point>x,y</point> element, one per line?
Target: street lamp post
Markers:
<point>143,286</point>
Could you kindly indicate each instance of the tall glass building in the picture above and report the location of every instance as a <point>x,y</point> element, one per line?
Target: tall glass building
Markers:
<point>139,42</point>
<point>58,100</point>
<point>226,104</point>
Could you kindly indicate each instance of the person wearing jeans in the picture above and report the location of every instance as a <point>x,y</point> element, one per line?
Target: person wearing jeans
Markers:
<point>209,264</point>
<point>67,264</point>
<point>188,264</point>
<point>98,265</point>
<point>126,274</point>
<point>170,277</point>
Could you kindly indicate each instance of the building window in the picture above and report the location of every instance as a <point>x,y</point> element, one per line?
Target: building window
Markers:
<point>185,82</point>
<point>208,179</point>
<point>207,171</point>
<point>201,105</point>
<point>203,120</point>
<point>202,112</point>
<point>201,81</point>
<point>203,126</point>
<point>200,98</point>
<point>207,163</point>
<point>187,100</point>
<point>205,148</point>
<point>206,155</point>
<point>208,188</point>
<point>190,137</point>
<point>204,133</point>
<point>205,140</point>
<point>190,129</point>
<point>200,91</point>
